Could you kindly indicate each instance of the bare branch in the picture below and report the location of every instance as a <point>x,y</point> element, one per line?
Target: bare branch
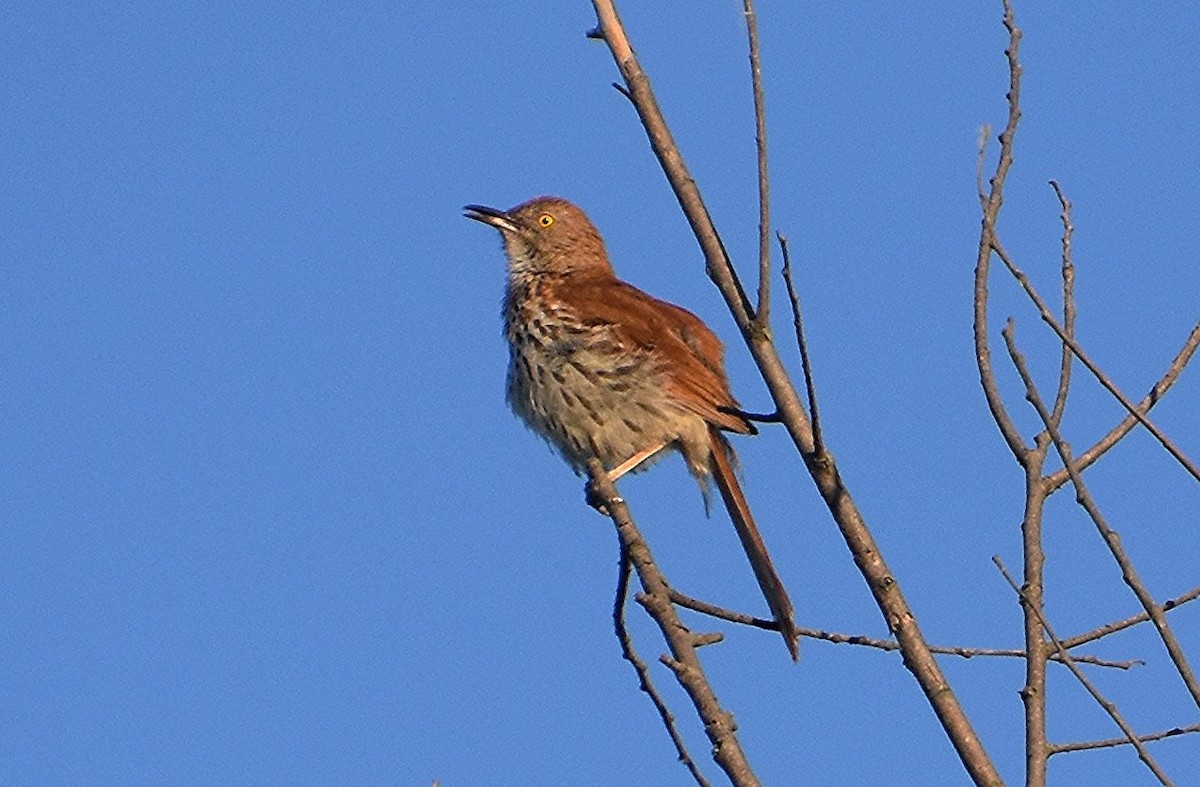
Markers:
<point>643,673</point>
<point>1133,620</point>
<point>1111,538</point>
<point>1104,702</point>
<point>987,240</point>
<point>1031,459</point>
<point>718,723</point>
<point>1108,743</point>
<point>1157,391</point>
<point>1068,280</point>
<point>810,387</point>
<point>762,315</point>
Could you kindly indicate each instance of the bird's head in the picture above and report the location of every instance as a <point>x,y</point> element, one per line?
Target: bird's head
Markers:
<point>546,236</point>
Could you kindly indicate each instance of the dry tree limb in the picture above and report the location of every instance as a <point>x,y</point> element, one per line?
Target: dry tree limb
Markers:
<point>987,238</point>
<point>1157,391</point>
<point>644,681</point>
<point>837,638</point>
<point>1132,620</point>
<point>918,658</point>
<point>762,316</point>
<point>1091,689</point>
<point>656,599</point>
<point>810,387</point>
<point>1111,538</point>
<point>1068,285</point>
<point>1109,743</point>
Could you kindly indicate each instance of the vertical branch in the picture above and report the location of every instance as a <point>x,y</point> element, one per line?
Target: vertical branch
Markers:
<point>1031,459</point>
<point>762,315</point>
<point>639,666</point>
<point>987,240</point>
<point>1033,601</point>
<point>1068,283</point>
<point>1091,689</point>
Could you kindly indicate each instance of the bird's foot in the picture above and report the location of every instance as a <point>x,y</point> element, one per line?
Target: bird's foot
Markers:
<point>597,500</point>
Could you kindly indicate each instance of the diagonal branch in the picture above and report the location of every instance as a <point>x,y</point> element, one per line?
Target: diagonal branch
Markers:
<point>810,386</point>
<point>718,723</point>
<point>885,588</point>
<point>1157,391</point>
<point>1109,743</point>
<point>643,673</point>
<point>1132,620</point>
<point>1069,341</point>
<point>1103,701</point>
<point>1111,538</point>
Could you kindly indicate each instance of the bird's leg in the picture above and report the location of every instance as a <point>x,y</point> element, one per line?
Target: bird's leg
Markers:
<point>634,461</point>
<point>593,499</point>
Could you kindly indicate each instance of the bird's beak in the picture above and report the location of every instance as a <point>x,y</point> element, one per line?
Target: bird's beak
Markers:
<point>497,218</point>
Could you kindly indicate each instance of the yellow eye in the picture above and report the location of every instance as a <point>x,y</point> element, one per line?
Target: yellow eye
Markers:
<point>545,219</point>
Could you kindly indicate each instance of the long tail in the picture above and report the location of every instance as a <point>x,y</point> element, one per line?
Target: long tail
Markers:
<point>752,542</point>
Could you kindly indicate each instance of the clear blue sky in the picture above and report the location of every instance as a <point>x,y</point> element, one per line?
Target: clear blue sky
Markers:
<point>266,518</point>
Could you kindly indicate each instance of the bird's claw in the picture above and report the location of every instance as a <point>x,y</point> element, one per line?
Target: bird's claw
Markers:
<point>597,500</point>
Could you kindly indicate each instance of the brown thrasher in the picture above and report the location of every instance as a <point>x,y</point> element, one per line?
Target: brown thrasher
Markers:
<point>601,369</point>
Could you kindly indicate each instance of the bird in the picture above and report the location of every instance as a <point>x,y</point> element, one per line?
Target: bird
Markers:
<point>602,370</point>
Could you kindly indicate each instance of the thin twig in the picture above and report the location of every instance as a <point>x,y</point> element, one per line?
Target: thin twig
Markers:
<point>1111,539</point>
<point>1103,701</point>
<point>837,638</point>
<point>1157,391</point>
<point>1130,407</point>
<point>1133,620</point>
<point>987,237</point>
<point>656,599</point>
<point>762,314</point>
<point>810,387</point>
<point>1108,743</point>
<point>643,672</point>
<point>985,133</point>
<point>1068,283</point>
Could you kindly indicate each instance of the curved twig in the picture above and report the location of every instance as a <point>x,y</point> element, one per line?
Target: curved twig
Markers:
<point>810,386</point>
<point>1068,284</point>
<point>987,239</point>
